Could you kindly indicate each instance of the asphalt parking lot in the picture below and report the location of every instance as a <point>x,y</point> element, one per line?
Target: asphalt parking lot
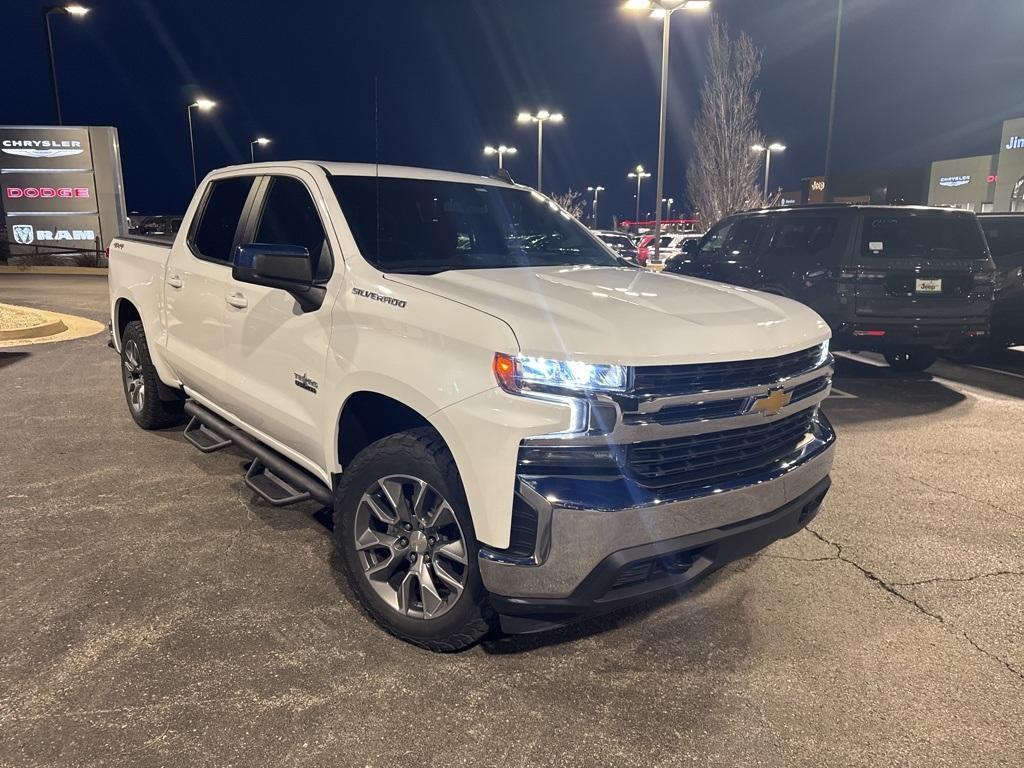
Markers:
<point>154,613</point>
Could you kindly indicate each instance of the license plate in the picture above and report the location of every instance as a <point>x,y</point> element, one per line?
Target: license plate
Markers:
<point>928,286</point>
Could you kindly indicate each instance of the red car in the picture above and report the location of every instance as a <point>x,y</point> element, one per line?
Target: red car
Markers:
<point>641,248</point>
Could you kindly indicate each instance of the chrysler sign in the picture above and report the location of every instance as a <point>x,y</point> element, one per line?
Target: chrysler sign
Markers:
<point>41,147</point>
<point>954,181</point>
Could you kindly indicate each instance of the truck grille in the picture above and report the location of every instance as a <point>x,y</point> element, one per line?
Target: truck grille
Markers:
<point>670,380</point>
<point>680,464</point>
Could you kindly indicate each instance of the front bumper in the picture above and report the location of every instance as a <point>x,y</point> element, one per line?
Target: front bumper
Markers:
<point>591,560</point>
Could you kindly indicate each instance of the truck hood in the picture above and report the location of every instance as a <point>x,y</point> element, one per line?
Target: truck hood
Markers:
<point>629,316</point>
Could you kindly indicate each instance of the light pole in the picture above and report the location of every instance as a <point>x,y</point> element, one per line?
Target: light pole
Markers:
<point>663,9</point>
<point>668,204</point>
<point>597,191</point>
<point>776,147</point>
<point>540,118</point>
<point>500,151</point>
<point>203,105</point>
<point>262,141</point>
<point>832,96</point>
<point>78,11</point>
<point>640,174</point>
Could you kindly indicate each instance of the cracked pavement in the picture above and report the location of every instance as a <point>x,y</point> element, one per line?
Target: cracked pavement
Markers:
<point>152,613</point>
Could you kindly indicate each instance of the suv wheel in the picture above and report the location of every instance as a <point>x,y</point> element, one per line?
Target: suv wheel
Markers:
<point>911,360</point>
<point>407,544</point>
<point>142,384</point>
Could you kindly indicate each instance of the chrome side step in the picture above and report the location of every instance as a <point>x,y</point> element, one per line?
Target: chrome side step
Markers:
<point>272,476</point>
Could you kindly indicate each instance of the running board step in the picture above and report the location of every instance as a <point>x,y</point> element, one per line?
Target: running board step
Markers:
<point>272,476</point>
<point>204,438</point>
<point>274,489</point>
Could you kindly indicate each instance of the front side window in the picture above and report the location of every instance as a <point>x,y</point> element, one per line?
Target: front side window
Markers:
<point>290,217</point>
<point>743,238</point>
<point>424,226</point>
<point>715,239</point>
<point>214,233</point>
<point>1005,239</point>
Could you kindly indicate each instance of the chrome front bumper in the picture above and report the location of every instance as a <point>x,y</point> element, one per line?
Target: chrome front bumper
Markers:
<point>573,541</point>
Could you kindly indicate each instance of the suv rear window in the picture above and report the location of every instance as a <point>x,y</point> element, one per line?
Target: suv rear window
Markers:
<point>904,234</point>
<point>214,234</point>
<point>1005,237</point>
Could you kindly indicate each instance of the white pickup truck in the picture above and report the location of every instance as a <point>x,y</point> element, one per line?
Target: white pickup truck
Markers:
<point>509,425</point>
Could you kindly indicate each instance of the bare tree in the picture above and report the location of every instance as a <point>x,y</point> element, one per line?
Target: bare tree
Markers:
<point>722,175</point>
<point>573,202</point>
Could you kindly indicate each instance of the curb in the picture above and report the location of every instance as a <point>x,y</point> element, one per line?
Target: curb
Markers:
<point>49,328</point>
<point>15,269</point>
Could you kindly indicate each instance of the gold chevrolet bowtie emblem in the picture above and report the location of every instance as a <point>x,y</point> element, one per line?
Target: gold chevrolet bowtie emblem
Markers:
<point>772,403</point>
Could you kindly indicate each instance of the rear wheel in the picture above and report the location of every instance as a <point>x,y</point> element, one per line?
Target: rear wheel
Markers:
<point>407,544</point>
<point>911,360</point>
<point>142,383</point>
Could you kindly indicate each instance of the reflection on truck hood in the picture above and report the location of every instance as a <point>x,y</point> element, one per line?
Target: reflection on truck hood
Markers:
<point>628,316</point>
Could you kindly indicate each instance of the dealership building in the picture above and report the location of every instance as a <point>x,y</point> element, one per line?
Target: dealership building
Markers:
<point>984,183</point>
<point>61,189</point>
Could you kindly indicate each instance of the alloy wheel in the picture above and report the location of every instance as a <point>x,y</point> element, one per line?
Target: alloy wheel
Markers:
<point>411,546</point>
<point>135,385</point>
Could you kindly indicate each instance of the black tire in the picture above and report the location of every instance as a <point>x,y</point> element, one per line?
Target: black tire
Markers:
<point>911,360</point>
<point>144,403</point>
<point>419,453</point>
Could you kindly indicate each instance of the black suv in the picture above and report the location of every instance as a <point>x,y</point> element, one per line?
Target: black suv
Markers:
<point>903,281</point>
<point>1005,235</point>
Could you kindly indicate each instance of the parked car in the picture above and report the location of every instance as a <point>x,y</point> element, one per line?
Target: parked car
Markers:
<point>643,248</point>
<point>1005,235</point>
<point>671,245</point>
<point>620,243</point>
<point>507,426</point>
<point>904,281</point>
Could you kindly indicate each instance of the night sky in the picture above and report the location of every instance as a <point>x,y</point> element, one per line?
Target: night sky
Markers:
<point>919,80</point>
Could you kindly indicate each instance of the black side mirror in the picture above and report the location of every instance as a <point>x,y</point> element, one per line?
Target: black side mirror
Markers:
<point>288,267</point>
<point>692,246</point>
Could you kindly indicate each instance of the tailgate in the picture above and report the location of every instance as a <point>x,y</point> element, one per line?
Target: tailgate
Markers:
<point>932,291</point>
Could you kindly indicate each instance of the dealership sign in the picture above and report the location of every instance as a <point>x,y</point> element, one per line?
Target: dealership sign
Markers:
<point>27,234</point>
<point>41,147</point>
<point>954,181</point>
<point>1015,142</point>
<point>25,148</point>
<point>32,193</point>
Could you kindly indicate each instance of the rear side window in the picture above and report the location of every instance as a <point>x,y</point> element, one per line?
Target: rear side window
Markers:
<point>290,217</point>
<point>806,234</point>
<point>921,235</point>
<point>214,234</point>
<point>1006,240</point>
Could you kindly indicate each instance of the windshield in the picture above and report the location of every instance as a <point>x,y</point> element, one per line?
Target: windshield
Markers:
<point>898,235</point>
<point>618,241</point>
<point>424,226</point>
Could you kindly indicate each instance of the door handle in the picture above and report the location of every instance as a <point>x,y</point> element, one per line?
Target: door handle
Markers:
<point>237,300</point>
<point>174,281</point>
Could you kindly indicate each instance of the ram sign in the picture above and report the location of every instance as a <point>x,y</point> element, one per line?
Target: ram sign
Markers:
<point>60,189</point>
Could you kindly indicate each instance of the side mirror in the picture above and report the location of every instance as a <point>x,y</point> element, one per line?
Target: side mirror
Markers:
<point>288,267</point>
<point>691,247</point>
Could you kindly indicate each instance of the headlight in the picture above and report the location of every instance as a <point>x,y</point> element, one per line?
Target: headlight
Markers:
<point>514,374</point>
<point>823,354</point>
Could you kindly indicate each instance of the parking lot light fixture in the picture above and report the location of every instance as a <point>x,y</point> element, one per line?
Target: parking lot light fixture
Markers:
<point>203,105</point>
<point>540,117</point>
<point>639,174</point>
<point>773,147</point>
<point>262,141</point>
<point>75,10</point>
<point>663,9</point>
<point>597,191</point>
<point>500,151</point>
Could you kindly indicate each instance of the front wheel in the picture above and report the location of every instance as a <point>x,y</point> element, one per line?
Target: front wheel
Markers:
<point>407,545</point>
<point>911,360</point>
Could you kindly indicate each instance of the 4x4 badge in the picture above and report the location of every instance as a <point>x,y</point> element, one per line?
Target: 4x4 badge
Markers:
<point>772,403</point>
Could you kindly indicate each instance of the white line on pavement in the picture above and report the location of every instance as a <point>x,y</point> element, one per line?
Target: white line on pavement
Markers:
<point>996,370</point>
<point>841,394</point>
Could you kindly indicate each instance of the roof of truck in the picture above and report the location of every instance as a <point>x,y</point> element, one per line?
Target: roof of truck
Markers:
<point>372,169</point>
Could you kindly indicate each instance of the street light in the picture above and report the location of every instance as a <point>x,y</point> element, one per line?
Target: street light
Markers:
<point>596,191</point>
<point>776,147</point>
<point>262,141</point>
<point>203,105</point>
<point>668,202</point>
<point>663,9</point>
<point>500,151</point>
<point>640,174</point>
<point>75,10</point>
<point>540,118</point>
